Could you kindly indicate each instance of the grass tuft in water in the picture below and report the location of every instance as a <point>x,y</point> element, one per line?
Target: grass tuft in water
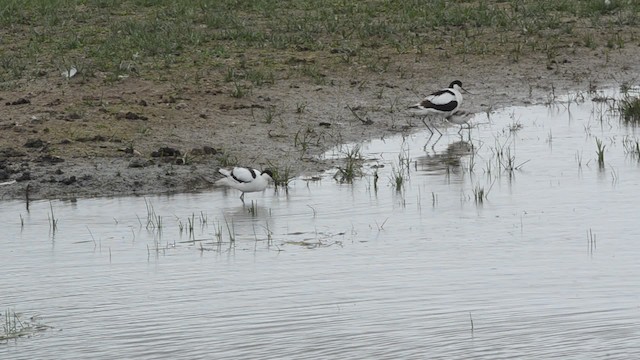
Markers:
<point>352,167</point>
<point>397,179</point>
<point>375,180</point>
<point>53,222</point>
<point>400,174</point>
<point>190,224</point>
<point>515,126</point>
<point>479,194</point>
<point>154,221</point>
<point>231,230</point>
<point>600,152</point>
<point>282,175</point>
<point>629,108</point>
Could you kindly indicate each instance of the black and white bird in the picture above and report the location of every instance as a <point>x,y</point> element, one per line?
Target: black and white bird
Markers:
<point>460,117</point>
<point>441,103</point>
<point>245,179</point>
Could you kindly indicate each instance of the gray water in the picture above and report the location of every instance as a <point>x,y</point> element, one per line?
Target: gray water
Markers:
<point>544,266</point>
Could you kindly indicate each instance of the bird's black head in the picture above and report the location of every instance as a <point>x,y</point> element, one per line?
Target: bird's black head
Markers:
<point>268,172</point>
<point>459,83</point>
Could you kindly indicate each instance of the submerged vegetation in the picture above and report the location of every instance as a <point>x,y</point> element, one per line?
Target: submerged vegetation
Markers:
<point>14,326</point>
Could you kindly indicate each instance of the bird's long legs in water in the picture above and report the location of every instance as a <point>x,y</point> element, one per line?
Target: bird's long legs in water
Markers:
<point>431,131</point>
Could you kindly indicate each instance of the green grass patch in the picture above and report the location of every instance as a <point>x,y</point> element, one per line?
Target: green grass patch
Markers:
<point>145,38</point>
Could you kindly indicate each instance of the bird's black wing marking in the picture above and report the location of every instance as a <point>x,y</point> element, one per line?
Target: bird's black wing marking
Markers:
<point>440,107</point>
<point>235,178</point>
<point>241,175</point>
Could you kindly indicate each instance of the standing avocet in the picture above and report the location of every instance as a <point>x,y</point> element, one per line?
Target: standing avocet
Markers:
<point>245,179</point>
<point>441,103</point>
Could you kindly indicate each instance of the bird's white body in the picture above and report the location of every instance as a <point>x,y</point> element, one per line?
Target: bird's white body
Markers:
<point>442,103</point>
<point>245,179</point>
<point>460,117</point>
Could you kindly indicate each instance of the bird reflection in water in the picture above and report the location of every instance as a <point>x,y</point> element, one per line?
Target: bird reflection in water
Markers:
<point>445,161</point>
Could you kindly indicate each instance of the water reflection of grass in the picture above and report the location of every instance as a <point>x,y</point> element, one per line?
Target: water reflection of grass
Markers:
<point>631,147</point>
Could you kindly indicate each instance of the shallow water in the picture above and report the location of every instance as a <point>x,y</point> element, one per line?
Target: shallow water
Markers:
<point>544,266</point>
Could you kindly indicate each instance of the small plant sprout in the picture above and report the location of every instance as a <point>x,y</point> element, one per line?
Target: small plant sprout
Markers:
<point>238,90</point>
<point>269,114</point>
<point>600,152</point>
<point>190,223</point>
<point>397,179</point>
<point>302,139</point>
<point>301,107</point>
<point>231,230</point>
<point>180,227</point>
<point>53,222</point>
<point>375,182</point>
<point>515,126</point>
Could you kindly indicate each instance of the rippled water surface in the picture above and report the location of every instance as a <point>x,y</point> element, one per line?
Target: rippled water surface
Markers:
<point>543,265</point>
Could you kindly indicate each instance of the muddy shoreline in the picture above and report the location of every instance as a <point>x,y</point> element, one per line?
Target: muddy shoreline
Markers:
<point>183,133</point>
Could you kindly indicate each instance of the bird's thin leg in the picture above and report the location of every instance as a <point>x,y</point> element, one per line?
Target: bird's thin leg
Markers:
<point>425,124</point>
<point>430,128</point>
<point>439,132</point>
<point>428,141</point>
<point>242,198</point>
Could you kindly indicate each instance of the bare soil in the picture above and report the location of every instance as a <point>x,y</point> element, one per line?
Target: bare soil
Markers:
<point>83,137</point>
